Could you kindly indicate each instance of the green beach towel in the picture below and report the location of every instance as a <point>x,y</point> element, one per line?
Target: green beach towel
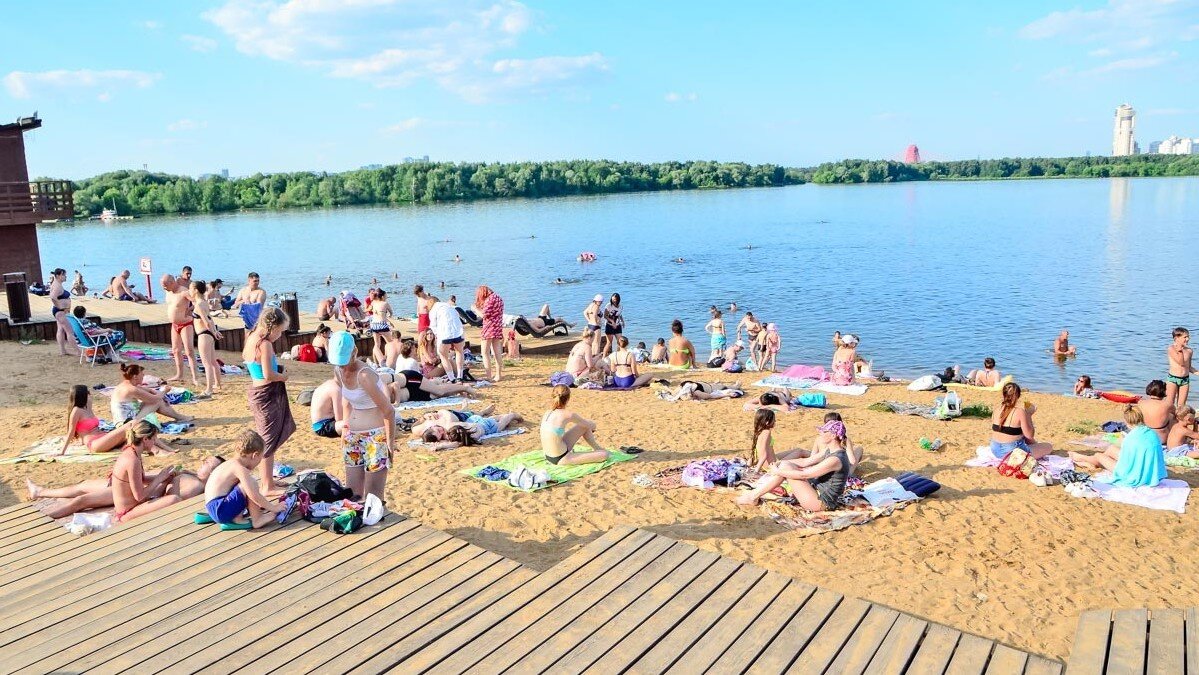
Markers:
<point>535,460</point>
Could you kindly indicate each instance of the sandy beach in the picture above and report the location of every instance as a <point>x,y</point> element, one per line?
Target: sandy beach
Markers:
<point>987,554</point>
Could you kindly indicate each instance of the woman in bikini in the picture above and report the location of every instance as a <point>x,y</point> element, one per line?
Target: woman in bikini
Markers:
<point>207,334</point>
<point>817,487</point>
<point>581,360</point>
<point>267,394</point>
<point>1159,416</point>
<point>412,386</point>
<point>561,430</point>
<point>60,308</point>
<point>681,351</point>
<point>83,424</point>
<point>1012,427</point>
<point>380,324</point>
<point>426,351</point>
<point>843,357</point>
<point>624,367</point>
<point>97,492</point>
<point>131,400</point>
<point>369,418</point>
<point>132,493</point>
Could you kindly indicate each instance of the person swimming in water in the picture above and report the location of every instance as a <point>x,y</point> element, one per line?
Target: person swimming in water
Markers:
<point>457,258</point>
<point>1061,346</point>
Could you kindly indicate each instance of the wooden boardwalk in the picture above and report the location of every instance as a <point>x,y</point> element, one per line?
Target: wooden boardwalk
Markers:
<point>1136,641</point>
<point>164,595</point>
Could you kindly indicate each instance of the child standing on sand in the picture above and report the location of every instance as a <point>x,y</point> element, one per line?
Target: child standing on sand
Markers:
<point>231,493</point>
<point>715,328</point>
<point>772,345</point>
<point>1178,377</point>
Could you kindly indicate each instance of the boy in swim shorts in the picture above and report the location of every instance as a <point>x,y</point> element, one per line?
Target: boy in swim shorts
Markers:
<point>232,495</point>
<point>1178,378</point>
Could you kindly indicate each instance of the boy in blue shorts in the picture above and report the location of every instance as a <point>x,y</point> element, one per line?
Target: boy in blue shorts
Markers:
<point>231,496</point>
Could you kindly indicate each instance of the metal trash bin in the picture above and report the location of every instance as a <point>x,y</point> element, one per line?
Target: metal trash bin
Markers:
<point>17,291</point>
<point>290,305</point>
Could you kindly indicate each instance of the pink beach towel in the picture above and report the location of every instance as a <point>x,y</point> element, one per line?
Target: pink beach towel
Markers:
<point>806,372</point>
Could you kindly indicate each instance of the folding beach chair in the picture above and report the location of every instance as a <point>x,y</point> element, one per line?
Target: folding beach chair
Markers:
<point>94,343</point>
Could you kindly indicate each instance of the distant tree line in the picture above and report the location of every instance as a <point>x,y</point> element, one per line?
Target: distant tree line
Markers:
<point>142,192</point>
<point>874,171</point>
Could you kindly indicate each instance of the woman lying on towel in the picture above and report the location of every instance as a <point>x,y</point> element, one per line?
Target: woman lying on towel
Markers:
<point>561,430</point>
<point>412,386</point>
<point>448,429</point>
<point>83,424</point>
<point>817,486</point>
<point>1011,426</point>
<point>1138,460</point>
<point>691,390</point>
<point>97,493</point>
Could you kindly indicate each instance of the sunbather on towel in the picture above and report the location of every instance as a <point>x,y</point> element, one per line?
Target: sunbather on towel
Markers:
<point>232,495</point>
<point>817,487</point>
<point>1012,427</point>
<point>131,400</point>
<point>987,377</point>
<point>97,493</point>
<point>561,430</point>
<point>1181,441</point>
<point>1138,461</point>
<point>821,449</point>
<point>132,494</point>
<point>625,372</point>
<point>691,390</point>
<point>83,424</point>
<point>465,429</point>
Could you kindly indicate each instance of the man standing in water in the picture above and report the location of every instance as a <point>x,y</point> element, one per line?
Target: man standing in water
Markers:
<point>1061,346</point>
<point>1178,378</point>
<point>183,333</point>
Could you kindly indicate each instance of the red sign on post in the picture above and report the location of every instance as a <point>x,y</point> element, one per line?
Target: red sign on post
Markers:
<point>147,268</point>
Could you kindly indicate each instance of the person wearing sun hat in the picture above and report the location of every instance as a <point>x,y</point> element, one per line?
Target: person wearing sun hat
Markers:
<point>843,358</point>
<point>592,315</point>
<point>369,431</point>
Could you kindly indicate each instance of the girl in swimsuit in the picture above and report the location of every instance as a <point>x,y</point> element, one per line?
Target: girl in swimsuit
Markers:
<point>761,449</point>
<point>131,493</point>
<point>457,428</point>
<point>817,487</point>
<point>1012,427</point>
<point>426,351</point>
<point>60,305</point>
<point>380,323</point>
<point>207,334</point>
<point>681,351</point>
<point>561,430</point>
<point>97,492</point>
<point>132,401</point>
<point>83,424</point>
<point>715,328</point>
<point>613,324</point>
<point>821,448</point>
<point>843,358</point>
<point>624,367</point>
<point>1159,416</point>
<point>369,434</point>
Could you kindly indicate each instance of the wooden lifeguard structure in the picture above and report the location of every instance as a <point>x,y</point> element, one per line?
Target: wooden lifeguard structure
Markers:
<point>24,204</point>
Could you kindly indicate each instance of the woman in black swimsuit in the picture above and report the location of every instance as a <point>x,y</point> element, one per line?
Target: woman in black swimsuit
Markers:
<point>207,334</point>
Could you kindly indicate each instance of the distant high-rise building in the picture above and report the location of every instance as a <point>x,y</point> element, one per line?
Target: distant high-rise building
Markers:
<point>1176,145</point>
<point>912,155</point>
<point>225,174</point>
<point>1123,142</point>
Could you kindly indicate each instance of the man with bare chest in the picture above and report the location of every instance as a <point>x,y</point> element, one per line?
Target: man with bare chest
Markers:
<point>183,332</point>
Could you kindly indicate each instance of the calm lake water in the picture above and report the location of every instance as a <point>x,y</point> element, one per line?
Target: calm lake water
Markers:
<point>928,274</point>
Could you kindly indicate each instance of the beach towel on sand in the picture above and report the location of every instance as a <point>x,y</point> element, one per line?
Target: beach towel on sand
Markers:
<point>534,460</point>
<point>805,372</point>
<point>417,443</point>
<point>784,382</point>
<point>447,402</point>
<point>46,450</point>
<point>146,353</point>
<point>843,389</point>
<point>1167,495</point>
<point>805,524</point>
<point>1051,464</point>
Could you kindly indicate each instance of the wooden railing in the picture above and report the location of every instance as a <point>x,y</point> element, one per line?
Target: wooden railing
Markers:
<point>23,202</point>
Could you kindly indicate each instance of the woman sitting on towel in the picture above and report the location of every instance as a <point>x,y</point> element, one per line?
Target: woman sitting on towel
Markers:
<point>624,367</point>
<point>131,400</point>
<point>1012,427</point>
<point>817,487</point>
<point>987,377</point>
<point>561,430</point>
<point>1159,415</point>
<point>1138,461</point>
<point>1181,442</point>
<point>581,360</point>
<point>681,351</point>
<point>83,424</point>
<point>843,357</point>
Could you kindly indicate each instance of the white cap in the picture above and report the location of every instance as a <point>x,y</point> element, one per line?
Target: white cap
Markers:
<point>598,298</point>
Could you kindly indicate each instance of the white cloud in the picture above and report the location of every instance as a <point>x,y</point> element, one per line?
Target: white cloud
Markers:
<point>395,43</point>
<point>104,97</point>
<point>405,125</point>
<point>23,84</point>
<point>151,24</point>
<point>186,125</point>
<point>1132,63</point>
<point>676,97</point>
<point>199,43</point>
<point>1121,25</point>
<point>1102,52</point>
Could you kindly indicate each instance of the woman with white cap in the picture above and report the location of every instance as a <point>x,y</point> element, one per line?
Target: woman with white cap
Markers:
<point>368,417</point>
<point>844,356</point>
<point>592,316</point>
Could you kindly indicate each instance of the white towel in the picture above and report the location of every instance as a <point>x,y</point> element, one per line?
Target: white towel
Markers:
<point>845,389</point>
<point>1168,495</point>
<point>783,382</point>
<point>448,402</point>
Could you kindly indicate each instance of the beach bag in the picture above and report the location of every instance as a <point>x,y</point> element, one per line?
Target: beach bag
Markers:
<point>733,366</point>
<point>1018,464</point>
<point>562,378</point>
<point>343,523</point>
<point>716,362</point>
<point>926,383</point>
<point>812,399</point>
<point>321,487</point>
<point>306,353</point>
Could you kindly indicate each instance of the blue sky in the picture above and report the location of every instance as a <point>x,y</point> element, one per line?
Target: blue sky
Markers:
<point>282,85</point>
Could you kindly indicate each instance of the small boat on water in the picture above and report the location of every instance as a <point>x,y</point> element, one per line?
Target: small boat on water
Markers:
<point>108,215</point>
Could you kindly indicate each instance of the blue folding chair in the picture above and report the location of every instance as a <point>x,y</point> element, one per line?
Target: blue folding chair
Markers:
<point>96,343</point>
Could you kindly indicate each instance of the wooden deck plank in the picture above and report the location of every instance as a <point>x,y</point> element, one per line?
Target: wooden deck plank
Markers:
<point>798,633</point>
<point>684,634</point>
<point>523,632</point>
<point>1126,653</point>
<point>44,533</point>
<point>135,592</point>
<point>395,655</point>
<point>864,643</point>
<point>1088,653</point>
<point>1192,639</point>
<point>579,623</point>
<point>629,619</point>
<point>18,513</point>
<point>392,622</point>
<point>768,625</point>
<point>722,634</point>
<point>1042,666</point>
<point>110,545</point>
<point>597,657</point>
<point>935,650</point>
<point>300,607</point>
<point>18,550</point>
<point>1167,642</point>
<point>606,551</point>
<point>971,655</point>
<point>28,529</point>
<point>831,637</point>
<point>55,589</point>
<point>328,566</point>
<point>898,647</point>
<point>1005,660</point>
<point>9,511</point>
